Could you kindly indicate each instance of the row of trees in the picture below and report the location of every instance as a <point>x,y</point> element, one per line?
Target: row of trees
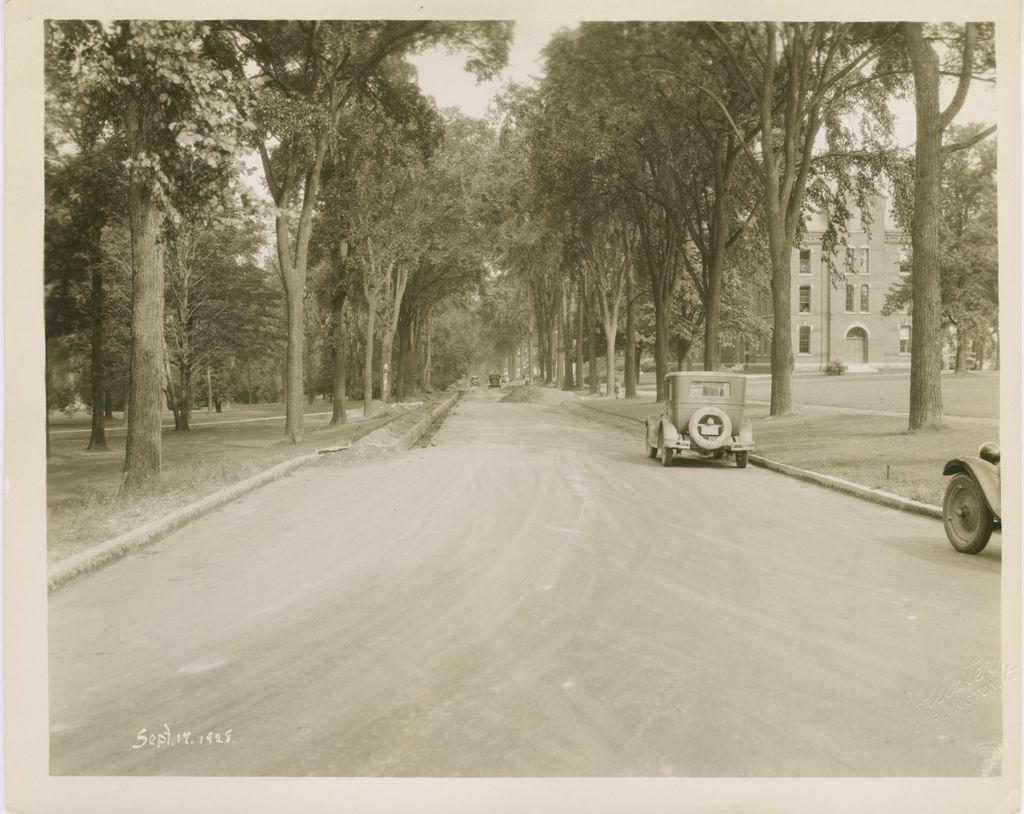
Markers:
<point>674,163</point>
<point>374,194</point>
<point>653,183</point>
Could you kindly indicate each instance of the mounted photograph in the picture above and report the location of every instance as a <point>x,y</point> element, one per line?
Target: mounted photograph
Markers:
<point>544,398</point>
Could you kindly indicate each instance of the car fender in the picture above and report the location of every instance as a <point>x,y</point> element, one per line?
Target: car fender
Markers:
<point>651,431</point>
<point>746,434</point>
<point>986,475</point>
<point>667,431</point>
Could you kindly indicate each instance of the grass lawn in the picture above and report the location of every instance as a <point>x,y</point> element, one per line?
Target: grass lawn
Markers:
<point>963,394</point>
<point>83,507</point>
<point>875,451</point>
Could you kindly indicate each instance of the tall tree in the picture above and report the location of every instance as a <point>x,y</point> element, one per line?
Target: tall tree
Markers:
<point>804,78</point>
<point>154,81</point>
<point>309,73</point>
<point>608,253</point>
<point>932,121</point>
<point>217,298</point>
<point>83,195</point>
<point>968,245</point>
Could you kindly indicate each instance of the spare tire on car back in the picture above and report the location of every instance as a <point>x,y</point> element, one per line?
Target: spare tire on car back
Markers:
<point>710,428</point>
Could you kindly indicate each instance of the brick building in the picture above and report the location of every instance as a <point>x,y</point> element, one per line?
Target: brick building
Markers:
<point>844,321</point>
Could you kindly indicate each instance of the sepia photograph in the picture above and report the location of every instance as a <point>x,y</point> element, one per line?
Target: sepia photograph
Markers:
<point>537,396</point>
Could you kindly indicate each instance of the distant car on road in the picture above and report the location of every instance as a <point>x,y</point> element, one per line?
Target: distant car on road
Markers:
<point>494,380</point>
<point>474,381</point>
<point>703,415</point>
<point>972,507</point>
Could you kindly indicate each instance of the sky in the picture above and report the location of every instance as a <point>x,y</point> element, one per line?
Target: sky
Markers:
<point>442,76</point>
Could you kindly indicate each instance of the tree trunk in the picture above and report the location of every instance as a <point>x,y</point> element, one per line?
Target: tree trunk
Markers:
<point>782,343</point>
<point>713,311</point>
<point>552,349</point>
<point>97,438</point>
<point>171,397</point>
<point>428,385</point>
<point>569,381</point>
<point>338,415</point>
<point>371,308</point>
<point>529,353</point>
<point>961,351</point>
<point>558,344</point>
<point>386,347</point>
<point>926,283</point>
<point>609,336</point>
<point>294,427</point>
<point>185,398</point>
<point>580,309</point>
<point>630,371</point>
<point>142,447</point>
<point>660,345</point>
<point>592,378</point>
<point>108,404</point>
<point>209,390</point>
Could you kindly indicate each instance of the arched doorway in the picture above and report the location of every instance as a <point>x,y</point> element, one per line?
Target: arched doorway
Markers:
<point>856,346</point>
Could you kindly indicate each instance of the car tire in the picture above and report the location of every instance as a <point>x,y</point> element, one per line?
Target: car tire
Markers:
<point>966,515</point>
<point>741,460</point>
<point>710,414</point>
<point>666,456</point>
<point>652,452</point>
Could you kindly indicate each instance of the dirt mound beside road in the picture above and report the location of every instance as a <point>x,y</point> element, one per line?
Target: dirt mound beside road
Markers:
<point>521,393</point>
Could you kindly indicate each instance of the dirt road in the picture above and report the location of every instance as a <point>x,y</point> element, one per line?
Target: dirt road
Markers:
<point>533,597</point>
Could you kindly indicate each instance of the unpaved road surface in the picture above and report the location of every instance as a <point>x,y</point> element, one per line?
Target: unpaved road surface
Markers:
<point>533,597</point>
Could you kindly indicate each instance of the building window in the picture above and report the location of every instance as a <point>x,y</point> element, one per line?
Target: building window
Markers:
<point>805,339</point>
<point>864,298</point>
<point>851,267</point>
<point>805,299</point>
<point>904,339</point>
<point>849,297</point>
<point>805,261</point>
<point>863,260</point>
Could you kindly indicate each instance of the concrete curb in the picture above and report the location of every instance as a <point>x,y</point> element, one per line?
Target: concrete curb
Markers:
<point>878,496</point>
<point>99,556</point>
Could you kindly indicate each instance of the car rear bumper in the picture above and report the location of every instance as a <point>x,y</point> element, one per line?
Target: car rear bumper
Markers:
<point>684,445</point>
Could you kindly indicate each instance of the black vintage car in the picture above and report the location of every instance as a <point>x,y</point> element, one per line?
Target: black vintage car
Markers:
<point>493,380</point>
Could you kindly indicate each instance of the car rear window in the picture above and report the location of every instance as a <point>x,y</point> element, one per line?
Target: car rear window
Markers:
<point>721,389</point>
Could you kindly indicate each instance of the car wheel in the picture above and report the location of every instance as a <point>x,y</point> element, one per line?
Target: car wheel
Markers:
<point>652,452</point>
<point>741,459</point>
<point>666,456</point>
<point>965,515</point>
